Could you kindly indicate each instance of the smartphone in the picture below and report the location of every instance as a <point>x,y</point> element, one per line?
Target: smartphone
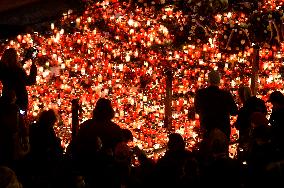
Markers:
<point>22,112</point>
<point>35,52</point>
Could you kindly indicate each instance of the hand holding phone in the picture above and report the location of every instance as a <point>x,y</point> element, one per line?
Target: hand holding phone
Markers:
<point>22,112</point>
<point>31,53</point>
<point>34,54</point>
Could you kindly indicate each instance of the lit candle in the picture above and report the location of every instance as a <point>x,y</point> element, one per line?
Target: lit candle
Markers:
<point>52,26</point>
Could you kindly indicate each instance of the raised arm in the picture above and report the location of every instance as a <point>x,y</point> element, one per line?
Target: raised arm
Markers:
<point>232,105</point>
<point>31,79</point>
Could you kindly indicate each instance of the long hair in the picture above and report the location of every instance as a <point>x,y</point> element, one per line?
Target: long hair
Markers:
<point>47,118</point>
<point>176,142</point>
<point>244,93</point>
<point>10,58</point>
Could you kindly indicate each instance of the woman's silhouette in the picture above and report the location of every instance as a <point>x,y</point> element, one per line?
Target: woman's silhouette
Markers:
<point>14,78</point>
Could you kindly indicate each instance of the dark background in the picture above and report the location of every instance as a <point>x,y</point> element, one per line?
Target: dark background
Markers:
<point>17,16</point>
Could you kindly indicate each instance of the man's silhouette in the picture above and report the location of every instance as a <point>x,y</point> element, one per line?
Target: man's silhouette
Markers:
<point>215,106</point>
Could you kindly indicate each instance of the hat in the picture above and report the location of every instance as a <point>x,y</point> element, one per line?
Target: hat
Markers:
<point>276,96</point>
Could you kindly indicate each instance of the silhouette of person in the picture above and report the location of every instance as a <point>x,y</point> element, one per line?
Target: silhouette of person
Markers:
<point>100,126</point>
<point>219,170</point>
<point>215,106</point>
<point>261,151</point>
<point>9,130</point>
<point>251,104</point>
<point>277,119</point>
<point>14,77</point>
<point>95,145</point>
<point>170,166</point>
<point>13,132</point>
<point>45,160</point>
<point>45,145</point>
<point>122,150</point>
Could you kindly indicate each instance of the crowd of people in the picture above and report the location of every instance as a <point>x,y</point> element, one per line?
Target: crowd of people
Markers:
<point>102,153</point>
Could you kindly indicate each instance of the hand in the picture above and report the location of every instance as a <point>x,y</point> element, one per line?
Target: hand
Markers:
<point>29,53</point>
<point>137,151</point>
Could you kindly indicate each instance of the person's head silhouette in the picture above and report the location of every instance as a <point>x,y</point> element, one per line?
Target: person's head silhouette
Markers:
<point>176,142</point>
<point>47,118</point>
<point>214,78</point>
<point>103,110</point>
<point>10,57</point>
<point>276,98</point>
<point>244,93</point>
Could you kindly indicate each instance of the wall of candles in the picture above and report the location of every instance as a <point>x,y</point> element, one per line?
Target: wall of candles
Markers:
<point>121,53</point>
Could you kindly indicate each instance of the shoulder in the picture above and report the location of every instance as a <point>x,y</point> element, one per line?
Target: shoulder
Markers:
<point>226,93</point>
<point>115,126</point>
<point>255,102</point>
<point>253,99</point>
<point>86,124</point>
<point>201,91</point>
